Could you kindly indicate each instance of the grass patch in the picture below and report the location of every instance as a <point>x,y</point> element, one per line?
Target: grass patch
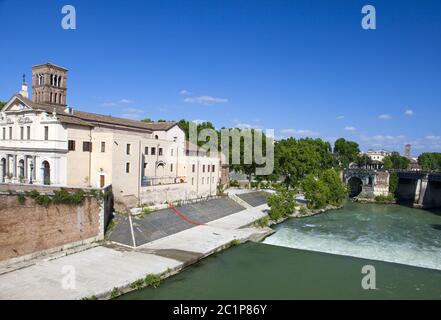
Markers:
<point>21,198</point>
<point>233,243</point>
<point>90,298</point>
<point>263,222</point>
<point>138,284</point>
<point>303,210</point>
<point>152,280</point>
<point>115,293</point>
<point>385,199</point>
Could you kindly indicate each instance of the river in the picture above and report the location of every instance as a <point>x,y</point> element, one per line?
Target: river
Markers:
<point>321,257</point>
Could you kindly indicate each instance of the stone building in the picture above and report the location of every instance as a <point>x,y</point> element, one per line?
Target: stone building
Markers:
<point>43,141</point>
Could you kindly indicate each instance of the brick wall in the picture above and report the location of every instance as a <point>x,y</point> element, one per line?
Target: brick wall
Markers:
<point>30,229</point>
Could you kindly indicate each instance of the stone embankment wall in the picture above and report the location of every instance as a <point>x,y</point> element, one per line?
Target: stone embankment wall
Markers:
<point>28,230</point>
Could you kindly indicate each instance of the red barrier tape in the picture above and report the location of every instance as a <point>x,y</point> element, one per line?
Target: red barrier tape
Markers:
<point>184,217</point>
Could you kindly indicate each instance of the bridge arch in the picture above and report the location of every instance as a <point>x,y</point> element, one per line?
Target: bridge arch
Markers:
<point>355,186</point>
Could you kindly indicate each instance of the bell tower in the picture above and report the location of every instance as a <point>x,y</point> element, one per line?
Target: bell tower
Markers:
<point>49,84</point>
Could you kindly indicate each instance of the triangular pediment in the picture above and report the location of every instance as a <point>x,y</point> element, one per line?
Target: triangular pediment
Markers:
<point>16,104</point>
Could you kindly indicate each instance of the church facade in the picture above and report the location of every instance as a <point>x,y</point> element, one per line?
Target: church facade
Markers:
<point>45,142</point>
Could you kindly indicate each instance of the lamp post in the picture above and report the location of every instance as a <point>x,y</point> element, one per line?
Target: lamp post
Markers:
<point>32,172</point>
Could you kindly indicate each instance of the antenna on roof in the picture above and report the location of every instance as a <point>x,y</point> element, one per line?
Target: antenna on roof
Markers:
<point>24,78</point>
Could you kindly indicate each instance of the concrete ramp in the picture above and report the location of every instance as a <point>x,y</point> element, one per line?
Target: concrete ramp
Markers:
<point>163,223</point>
<point>256,198</point>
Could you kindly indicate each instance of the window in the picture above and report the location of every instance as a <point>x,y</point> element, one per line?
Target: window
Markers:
<point>4,133</point>
<point>10,133</point>
<point>146,150</point>
<point>71,145</point>
<point>87,146</point>
<point>28,133</point>
<point>171,152</point>
<point>208,168</point>
<point>193,168</point>
<point>145,165</point>
<point>202,180</point>
<point>128,167</point>
<point>103,146</point>
<point>21,133</point>
<point>192,181</point>
<point>212,179</point>
<point>156,137</point>
<point>171,167</point>
<point>46,133</point>
<point>203,168</point>
<point>213,168</point>
<point>153,151</point>
<point>128,149</point>
<point>160,151</point>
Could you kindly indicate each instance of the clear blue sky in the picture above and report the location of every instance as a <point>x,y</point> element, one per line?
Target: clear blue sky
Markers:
<point>300,67</point>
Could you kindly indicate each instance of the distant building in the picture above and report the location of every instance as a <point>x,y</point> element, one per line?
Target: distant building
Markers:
<point>378,155</point>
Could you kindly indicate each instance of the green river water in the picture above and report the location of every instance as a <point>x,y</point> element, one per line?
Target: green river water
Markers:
<point>321,257</point>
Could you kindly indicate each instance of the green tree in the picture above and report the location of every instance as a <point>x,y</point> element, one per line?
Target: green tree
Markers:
<point>2,104</point>
<point>337,190</point>
<point>324,189</point>
<point>316,191</point>
<point>346,152</point>
<point>430,161</point>
<point>282,203</point>
<point>396,161</point>
<point>393,183</point>
<point>294,159</point>
<point>185,126</point>
<point>363,160</point>
<point>250,168</point>
<point>147,120</point>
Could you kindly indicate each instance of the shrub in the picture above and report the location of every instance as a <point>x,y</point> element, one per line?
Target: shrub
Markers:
<point>262,223</point>
<point>303,210</point>
<point>393,183</point>
<point>66,197</point>
<point>153,281</point>
<point>382,198</point>
<point>234,184</point>
<point>115,293</point>
<point>21,198</point>
<point>34,194</point>
<point>43,200</point>
<point>282,203</point>
<point>138,284</point>
<point>233,243</point>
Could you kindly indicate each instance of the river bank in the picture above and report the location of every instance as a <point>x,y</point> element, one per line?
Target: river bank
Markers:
<point>107,271</point>
<point>321,257</point>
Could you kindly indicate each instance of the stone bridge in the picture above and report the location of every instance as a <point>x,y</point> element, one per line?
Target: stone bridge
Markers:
<point>421,189</point>
<point>366,183</point>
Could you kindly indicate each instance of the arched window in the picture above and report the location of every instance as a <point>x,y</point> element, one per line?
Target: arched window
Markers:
<point>156,137</point>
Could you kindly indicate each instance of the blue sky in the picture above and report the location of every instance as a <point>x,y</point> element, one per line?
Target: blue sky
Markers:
<point>303,68</point>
